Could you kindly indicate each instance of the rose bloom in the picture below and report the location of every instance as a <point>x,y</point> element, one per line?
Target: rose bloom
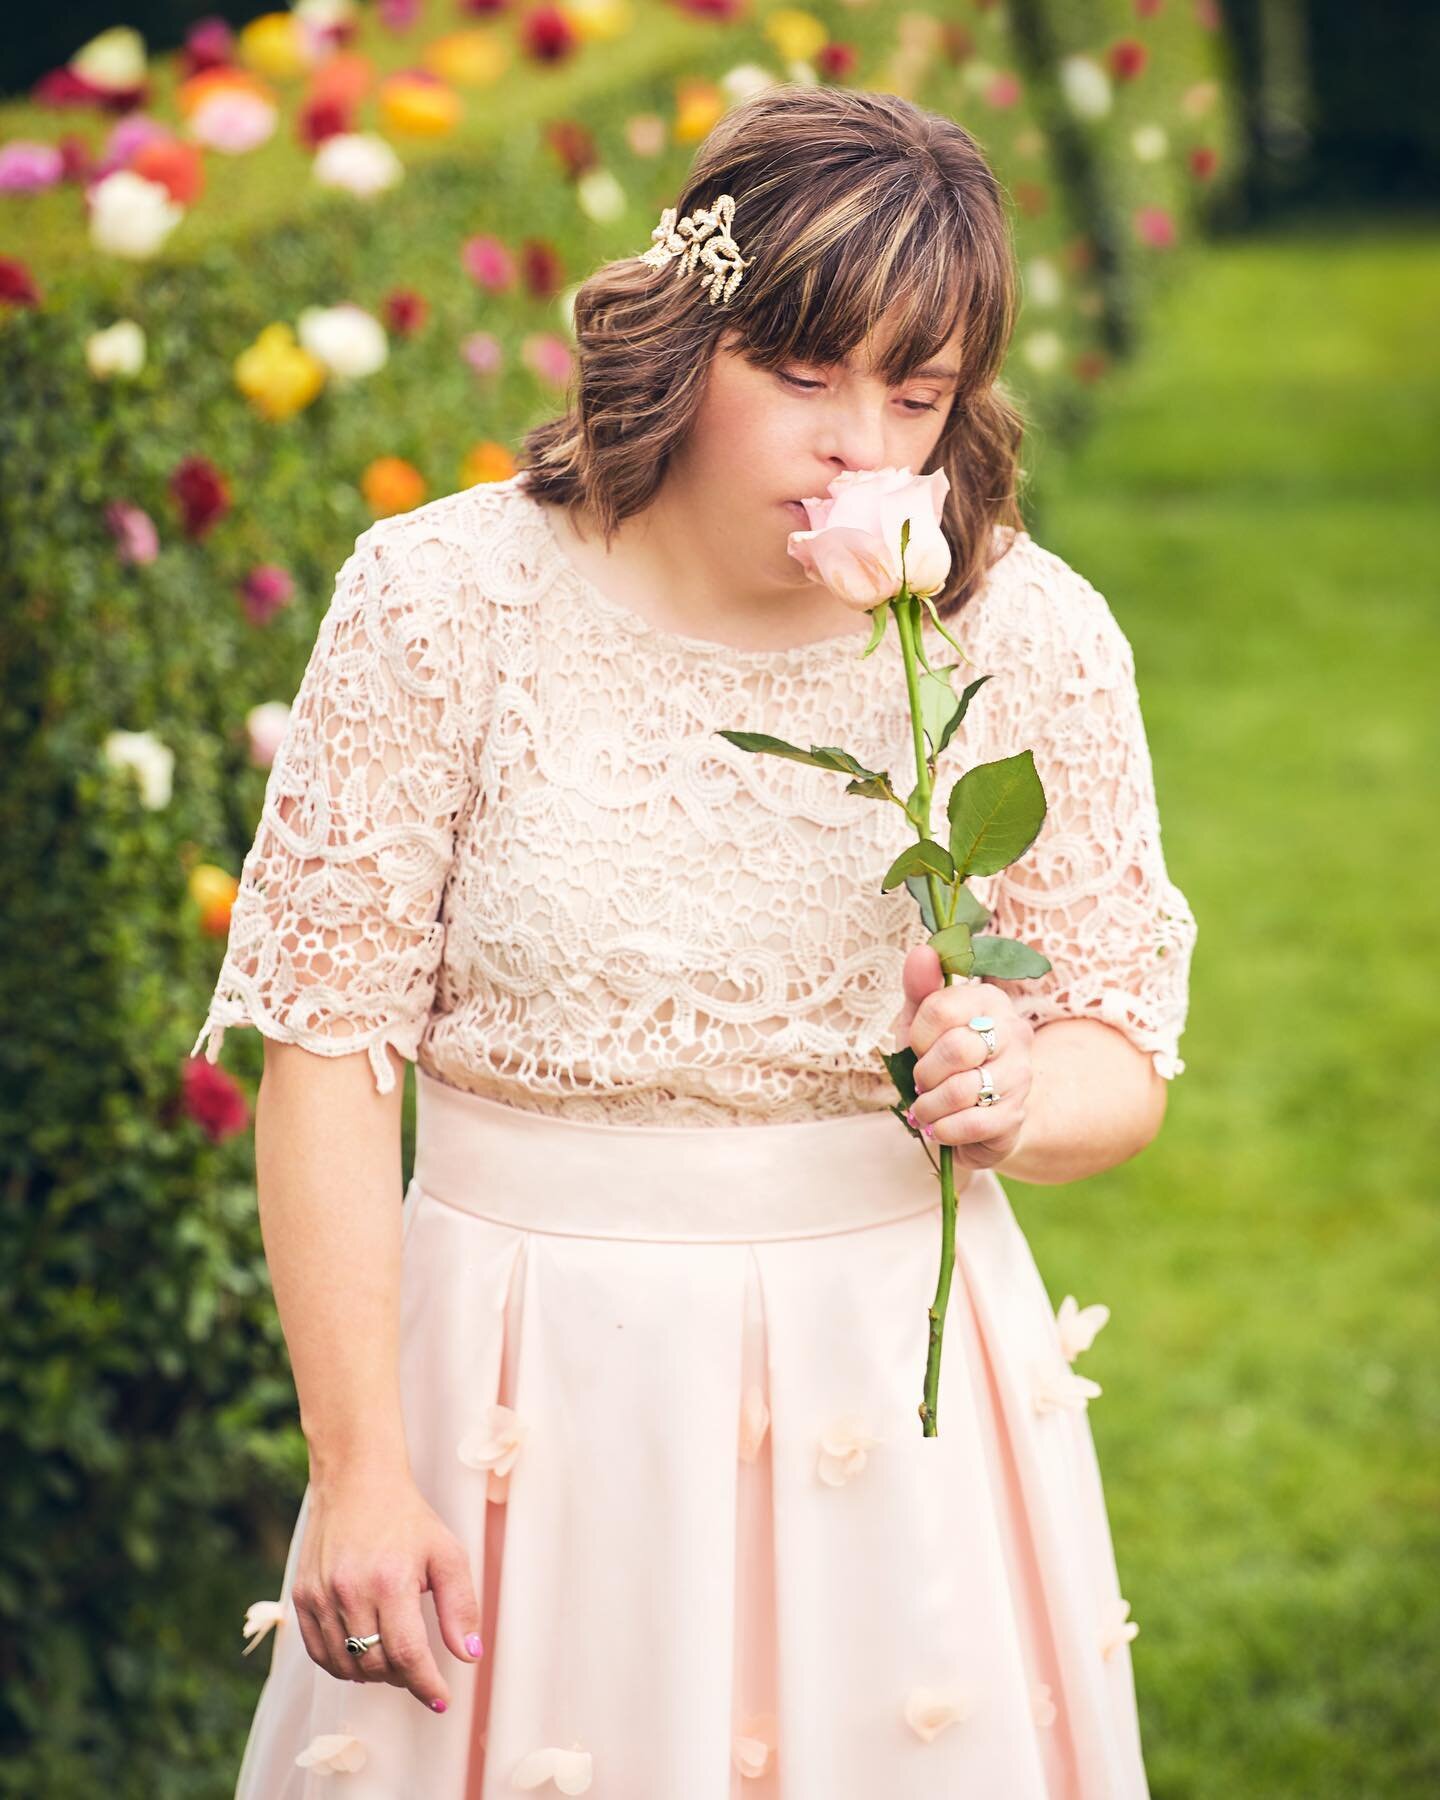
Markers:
<point>853,544</point>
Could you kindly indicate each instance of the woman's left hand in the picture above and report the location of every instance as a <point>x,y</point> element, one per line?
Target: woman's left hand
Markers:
<point>949,1052</point>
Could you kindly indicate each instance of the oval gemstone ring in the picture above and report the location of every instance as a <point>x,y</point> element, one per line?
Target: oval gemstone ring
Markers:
<point>985,1025</point>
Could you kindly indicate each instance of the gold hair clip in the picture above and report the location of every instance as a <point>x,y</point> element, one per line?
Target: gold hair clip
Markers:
<point>700,237</point>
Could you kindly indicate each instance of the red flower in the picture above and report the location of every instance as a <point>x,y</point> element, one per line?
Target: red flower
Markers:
<point>836,61</point>
<point>212,1099</point>
<point>1203,162</point>
<point>322,117</point>
<point>573,144</point>
<point>547,34</point>
<point>405,311</point>
<point>540,269</point>
<point>1127,58</point>
<point>202,494</point>
<point>63,87</point>
<point>17,284</point>
<point>76,155</point>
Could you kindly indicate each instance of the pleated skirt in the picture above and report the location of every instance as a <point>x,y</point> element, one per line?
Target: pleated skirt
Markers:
<point>663,1385</point>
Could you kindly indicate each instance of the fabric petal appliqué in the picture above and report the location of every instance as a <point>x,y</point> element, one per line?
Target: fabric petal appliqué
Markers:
<point>494,1447</point>
<point>333,1753</point>
<point>1042,1705</point>
<point>1078,1325</point>
<point>1118,1629</point>
<point>754,1421</point>
<point>929,1710</point>
<point>570,1769</point>
<point>844,1450</point>
<point>752,1747</point>
<point>261,1616</point>
<point>1053,1389</point>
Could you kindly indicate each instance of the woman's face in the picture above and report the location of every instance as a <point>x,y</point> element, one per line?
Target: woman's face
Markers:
<point>763,438</point>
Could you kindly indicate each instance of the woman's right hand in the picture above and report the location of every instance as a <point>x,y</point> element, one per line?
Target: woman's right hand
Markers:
<point>372,1546</point>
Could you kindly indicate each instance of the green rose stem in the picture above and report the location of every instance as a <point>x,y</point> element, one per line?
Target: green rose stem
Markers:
<point>906,620</point>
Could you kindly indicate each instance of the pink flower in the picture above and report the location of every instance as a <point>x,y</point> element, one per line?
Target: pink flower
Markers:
<point>844,1450</point>
<point>136,539</point>
<point>266,726</point>
<point>853,544</point>
<point>486,260</point>
<point>1004,90</point>
<point>570,1770</point>
<point>213,1100</point>
<point>26,166</point>
<point>264,591</point>
<point>548,356</point>
<point>930,1710</point>
<point>1154,226</point>
<point>494,1448</point>
<point>398,15</point>
<point>1078,1325</point>
<point>209,44</point>
<point>481,349</point>
<point>547,34</point>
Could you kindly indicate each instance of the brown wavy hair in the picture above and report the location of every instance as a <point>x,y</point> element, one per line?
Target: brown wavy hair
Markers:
<point>856,207</point>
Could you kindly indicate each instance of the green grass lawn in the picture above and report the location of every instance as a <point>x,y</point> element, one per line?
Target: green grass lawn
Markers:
<point>1259,508</point>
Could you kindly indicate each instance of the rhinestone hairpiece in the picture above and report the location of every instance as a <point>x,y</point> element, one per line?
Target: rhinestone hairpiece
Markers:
<point>700,237</point>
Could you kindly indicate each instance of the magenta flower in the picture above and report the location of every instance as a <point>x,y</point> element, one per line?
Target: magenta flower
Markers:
<point>486,260</point>
<point>136,539</point>
<point>264,591</point>
<point>26,167</point>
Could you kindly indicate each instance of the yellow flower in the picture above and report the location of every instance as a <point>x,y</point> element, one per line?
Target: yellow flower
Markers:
<point>469,59</point>
<point>796,35</point>
<point>598,20</point>
<point>392,485</point>
<point>275,45</point>
<point>421,108</point>
<point>276,375</point>
<point>698,104</point>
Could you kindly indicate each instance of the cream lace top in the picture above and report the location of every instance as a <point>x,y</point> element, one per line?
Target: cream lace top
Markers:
<point>502,835</point>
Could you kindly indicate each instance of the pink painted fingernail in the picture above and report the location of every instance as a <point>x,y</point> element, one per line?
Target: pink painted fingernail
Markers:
<point>473,1644</point>
<point>910,1115</point>
<point>926,1131</point>
<point>437,1705</point>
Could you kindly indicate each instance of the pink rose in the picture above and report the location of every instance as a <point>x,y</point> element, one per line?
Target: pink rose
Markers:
<point>853,544</point>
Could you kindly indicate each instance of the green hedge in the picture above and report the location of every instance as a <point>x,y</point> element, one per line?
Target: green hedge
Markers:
<point>147,1417</point>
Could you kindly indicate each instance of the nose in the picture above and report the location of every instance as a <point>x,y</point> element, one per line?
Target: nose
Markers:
<point>858,437</point>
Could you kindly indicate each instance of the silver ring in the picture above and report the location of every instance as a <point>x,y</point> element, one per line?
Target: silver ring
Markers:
<point>986,1027</point>
<point>988,1096</point>
<point>357,1646</point>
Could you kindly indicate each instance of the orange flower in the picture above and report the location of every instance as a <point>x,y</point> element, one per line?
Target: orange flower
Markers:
<point>470,59</point>
<point>392,485</point>
<point>192,94</point>
<point>698,106</point>
<point>486,461</point>
<point>421,105</point>
<point>213,890</point>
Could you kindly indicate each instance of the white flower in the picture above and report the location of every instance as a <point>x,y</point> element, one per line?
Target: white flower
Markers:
<point>494,1447</point>
<point>752,1747</point>
<point>1078,1325</point>
<point>348,340</point>
<point>266,725</point>
<point>130,216</point>
<point>261,1616</point>
<point>361,162</point>
<point>1086,87</point>
<point>114,61</point>
<point>754,1419</point>
<point>844,1450</point>
<point>744,80</point>
<point>1043,286</point>
<point>600,195</point>
<point>1042,1706</point>
<point>1053,1389</point>
<point>117,350</point>
<point>233,123</point>
<point>332,1753</point>
<point>570,1770</point>
<point>1043,350</point>
<point>930,1710</point>
<point>1117,1629</point>
<point>143,752</point>
<point>323,14</point>
<point>1149,142</point>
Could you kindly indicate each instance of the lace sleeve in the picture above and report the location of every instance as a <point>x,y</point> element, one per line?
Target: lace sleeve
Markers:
<point>1092,893</point>
<point>335,934</point>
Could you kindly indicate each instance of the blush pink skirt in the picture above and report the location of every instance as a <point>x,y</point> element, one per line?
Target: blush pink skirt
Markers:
<point>662,1384</point>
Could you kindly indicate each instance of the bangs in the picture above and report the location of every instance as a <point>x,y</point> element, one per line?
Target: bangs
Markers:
<point>895,273</point>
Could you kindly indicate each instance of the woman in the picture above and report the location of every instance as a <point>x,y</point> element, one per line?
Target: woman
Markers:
<point>617,1481</point>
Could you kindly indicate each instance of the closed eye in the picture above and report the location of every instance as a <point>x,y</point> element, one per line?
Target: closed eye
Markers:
<point>914,406</point>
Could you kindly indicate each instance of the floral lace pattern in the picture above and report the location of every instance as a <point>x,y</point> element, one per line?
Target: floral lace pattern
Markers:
<point>503,837</point>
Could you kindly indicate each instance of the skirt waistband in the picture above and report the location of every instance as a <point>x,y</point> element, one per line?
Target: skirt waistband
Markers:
<point>709,1183</point>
